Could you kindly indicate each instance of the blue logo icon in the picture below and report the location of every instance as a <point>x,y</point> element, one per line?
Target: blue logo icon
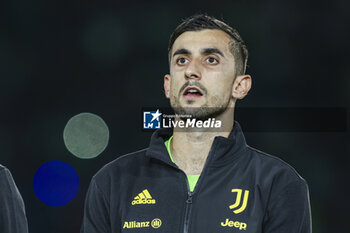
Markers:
<point>151,120</point>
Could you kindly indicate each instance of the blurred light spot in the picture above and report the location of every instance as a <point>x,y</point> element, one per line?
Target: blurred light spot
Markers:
<point>86,135</point>
<point>56,183</point>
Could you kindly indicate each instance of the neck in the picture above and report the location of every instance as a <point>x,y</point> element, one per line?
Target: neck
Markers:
<point>190,146</point>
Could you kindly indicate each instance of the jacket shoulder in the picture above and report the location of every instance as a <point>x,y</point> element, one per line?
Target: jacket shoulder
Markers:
<point>121,161</point>
<point>6,181</point>
<point>4,172</point>
<point>119,166</point>
<point>273,167</point>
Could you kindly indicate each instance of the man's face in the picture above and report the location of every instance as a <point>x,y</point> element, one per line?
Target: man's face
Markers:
<point>202,72</point>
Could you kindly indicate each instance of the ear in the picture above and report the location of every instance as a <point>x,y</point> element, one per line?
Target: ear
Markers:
<point>241,86</point>
<point>167,79</point>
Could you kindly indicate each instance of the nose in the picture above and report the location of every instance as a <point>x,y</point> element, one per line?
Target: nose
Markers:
<point>193,70</point>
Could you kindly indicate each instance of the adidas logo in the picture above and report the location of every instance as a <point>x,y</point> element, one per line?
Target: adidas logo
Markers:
<point>143,198</point>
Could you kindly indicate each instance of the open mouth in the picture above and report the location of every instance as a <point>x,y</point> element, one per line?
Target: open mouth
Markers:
<point>192,92</point>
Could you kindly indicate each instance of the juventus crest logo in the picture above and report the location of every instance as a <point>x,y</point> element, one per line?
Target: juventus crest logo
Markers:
<point>238,201</point>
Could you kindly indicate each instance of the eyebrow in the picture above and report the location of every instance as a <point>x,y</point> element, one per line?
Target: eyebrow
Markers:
<point>203,51</point>
<point>211,51</point>
<point>181,51</point>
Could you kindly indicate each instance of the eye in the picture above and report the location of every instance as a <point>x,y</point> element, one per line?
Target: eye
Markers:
<point>212,60</point>
<point>181,61</point>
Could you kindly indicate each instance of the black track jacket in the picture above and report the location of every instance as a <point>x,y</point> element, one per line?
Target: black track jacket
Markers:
<point>240,189</point>
<point>12,213</point>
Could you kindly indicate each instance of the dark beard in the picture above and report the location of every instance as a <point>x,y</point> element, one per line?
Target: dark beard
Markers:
<point>202,113</point>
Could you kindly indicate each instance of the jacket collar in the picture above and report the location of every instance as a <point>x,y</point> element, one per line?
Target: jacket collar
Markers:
<point>223,150</point>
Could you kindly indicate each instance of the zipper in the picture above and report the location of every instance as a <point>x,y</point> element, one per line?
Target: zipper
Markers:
<point>190,194</point>
<point>188,201</point>
<point>188,207</point>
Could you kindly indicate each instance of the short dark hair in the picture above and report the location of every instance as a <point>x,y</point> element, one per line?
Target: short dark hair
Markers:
<point>200,22</point>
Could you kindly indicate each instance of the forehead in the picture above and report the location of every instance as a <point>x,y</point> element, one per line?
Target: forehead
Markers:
<point>195,40</point>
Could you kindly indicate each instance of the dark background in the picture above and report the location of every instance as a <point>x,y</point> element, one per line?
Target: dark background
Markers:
<point>61,58</point>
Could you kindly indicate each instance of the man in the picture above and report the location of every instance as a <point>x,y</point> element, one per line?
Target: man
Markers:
<point>12,213</point>
<point>193,179</point>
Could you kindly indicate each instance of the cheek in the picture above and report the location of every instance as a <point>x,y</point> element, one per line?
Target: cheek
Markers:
<point>228,77</point>
<point>221,82</point>
<point>222,91</point>
<point>176,82</point>
<point>174,88</point>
